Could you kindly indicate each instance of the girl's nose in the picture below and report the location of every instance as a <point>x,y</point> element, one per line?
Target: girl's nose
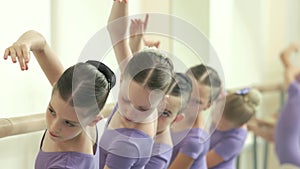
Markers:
<point>55,126</point>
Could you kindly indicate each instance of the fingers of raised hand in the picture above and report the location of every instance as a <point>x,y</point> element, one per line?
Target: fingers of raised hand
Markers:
<point>20,53</point>
<point>125,1</point>
<point>136,27</point>
<point>146,21</point>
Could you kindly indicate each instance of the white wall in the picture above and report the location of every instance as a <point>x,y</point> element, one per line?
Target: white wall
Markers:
<point>22,93</point>
<point>194,15</point>
<point>18,88</point>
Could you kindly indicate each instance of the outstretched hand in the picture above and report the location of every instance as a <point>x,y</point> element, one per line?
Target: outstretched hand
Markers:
<point>285,54</point>
<point>121,1</point>
<point>138,27</point>
<point>18,51</point>
<point>292,72</point>
<point>151,43</point>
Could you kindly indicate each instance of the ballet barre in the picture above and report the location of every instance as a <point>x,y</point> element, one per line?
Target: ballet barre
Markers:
<point>23,124</point>
<point>36,122</point>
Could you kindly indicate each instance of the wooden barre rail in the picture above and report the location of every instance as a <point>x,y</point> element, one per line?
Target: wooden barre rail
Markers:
<point>23,124</point>
<point>36,122</point>
<point>269,88</point>
<point>265,88</point>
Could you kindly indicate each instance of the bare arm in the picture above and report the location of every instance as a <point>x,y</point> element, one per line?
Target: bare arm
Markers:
<point>105,167</point>
<point>213,159</point>
<point>290,70</point>
<point>137,29</point>
<point>182,161</point>
<point>285,54</point>
<point>35,42</point>
<point>117,31</point>
<point>262,128</point>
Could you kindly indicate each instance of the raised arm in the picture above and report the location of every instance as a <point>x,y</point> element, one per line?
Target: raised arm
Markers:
<point>137,29</point>
<point>35,42</point>
<point>262,128</point>
<point>291,71</point>
<point>285,54</point>
<point>117,29</point>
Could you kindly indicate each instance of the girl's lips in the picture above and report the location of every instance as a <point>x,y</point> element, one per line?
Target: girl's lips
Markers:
<point>53,135</point>
<point>127,118</point>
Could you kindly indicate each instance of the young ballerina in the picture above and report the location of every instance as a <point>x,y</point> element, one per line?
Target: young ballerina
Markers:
<point>128,138</point>
<point>78,94</point>
<point>191,141</point>
<point>177,100</point>
<point>287,136</point>
<point>227,140</point>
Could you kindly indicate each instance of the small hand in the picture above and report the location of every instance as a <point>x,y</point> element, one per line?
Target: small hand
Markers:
<point>138,27</point>
<point>121,1</point>
<point>150,43</point>
<point>18,51</point>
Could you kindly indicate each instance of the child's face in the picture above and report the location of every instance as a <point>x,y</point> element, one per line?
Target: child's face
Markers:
<point>62,122</point>
<point>200,98</point>
<point>204,94</point>
<point>166,118</point>
<point>135,103</point>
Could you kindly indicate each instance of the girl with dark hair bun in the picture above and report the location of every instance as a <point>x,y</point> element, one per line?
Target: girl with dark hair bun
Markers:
<point>78,95</point>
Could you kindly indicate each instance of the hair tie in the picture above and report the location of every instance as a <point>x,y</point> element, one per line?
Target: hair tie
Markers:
<point>243,91</point>
<point>106,71</point>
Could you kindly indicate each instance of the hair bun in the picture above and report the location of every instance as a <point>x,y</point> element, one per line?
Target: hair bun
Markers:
<point>107,72</point>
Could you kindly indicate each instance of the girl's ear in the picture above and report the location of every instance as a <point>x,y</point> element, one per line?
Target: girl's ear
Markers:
<point>178,118</point>
<point>96,120</point>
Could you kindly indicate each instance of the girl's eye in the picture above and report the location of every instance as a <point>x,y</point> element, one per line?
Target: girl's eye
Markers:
<point>69,124</point>
<point>51,112</point>
<point>165,114</point>
<point>142,110</point>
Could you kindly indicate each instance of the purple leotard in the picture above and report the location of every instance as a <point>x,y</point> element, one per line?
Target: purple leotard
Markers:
<point>67,160</point>
<point>228,145</point>
<point>287,132</point>
<point>195,145</point>
<point>161,156</point>
<point>124,148</point>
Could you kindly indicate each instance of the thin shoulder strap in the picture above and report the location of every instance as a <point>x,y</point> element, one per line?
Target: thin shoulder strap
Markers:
<point>42,140</point>
<point>111,114</point>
